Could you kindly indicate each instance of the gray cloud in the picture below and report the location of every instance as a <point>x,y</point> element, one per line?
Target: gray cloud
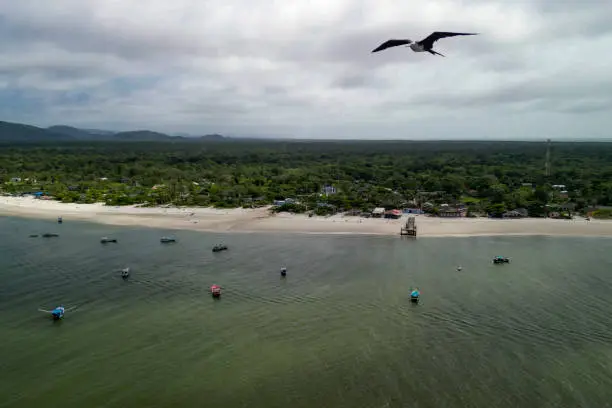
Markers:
<point>521,93</point>
<point>304,68</point>
<point>359,81</point>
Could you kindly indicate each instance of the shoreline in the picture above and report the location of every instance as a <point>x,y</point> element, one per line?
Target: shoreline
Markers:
<point>259,220</point>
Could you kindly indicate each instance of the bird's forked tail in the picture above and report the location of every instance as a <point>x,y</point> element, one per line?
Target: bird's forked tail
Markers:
<point>432,52</point>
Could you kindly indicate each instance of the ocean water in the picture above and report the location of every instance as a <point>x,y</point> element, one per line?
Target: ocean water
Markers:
<point>338,331</point>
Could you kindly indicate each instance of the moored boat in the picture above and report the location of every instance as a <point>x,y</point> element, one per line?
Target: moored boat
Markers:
<point>106,240</point>
<point>56,314</point>
<point>283,271</point>
<point>215,290</point>
<point>415,294</point>
<point>167,239</point>
<point>500,259</point>
<point>219,247</point>
<point>125,272</point>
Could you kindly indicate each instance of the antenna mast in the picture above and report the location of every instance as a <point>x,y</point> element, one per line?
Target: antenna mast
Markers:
<point>547,163</point>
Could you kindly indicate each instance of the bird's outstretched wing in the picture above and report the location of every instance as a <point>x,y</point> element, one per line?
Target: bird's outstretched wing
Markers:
<point>436,35</point>
<point>391,43</point>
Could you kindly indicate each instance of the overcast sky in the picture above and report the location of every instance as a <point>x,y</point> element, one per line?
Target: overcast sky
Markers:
<point>303,68</point>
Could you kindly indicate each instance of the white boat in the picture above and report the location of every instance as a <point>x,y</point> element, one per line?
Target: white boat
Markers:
<point>125,272</point>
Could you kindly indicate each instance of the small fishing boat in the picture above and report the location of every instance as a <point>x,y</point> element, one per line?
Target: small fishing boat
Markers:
<point>106,240</point>
<point>49,235</point>
<point>460,268</point>
<point>283,271</point>
<point>415,294</point>
<point>33,235</point>
<point>125,272</point>
<point>215,290</point>
<point>167,239</point>
<point>220,247</point>
<point>59,220</point>
<point>500,260</point>
<point>56,313</point>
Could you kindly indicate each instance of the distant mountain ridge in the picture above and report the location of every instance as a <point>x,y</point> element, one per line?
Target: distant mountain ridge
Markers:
<point>18,132</point>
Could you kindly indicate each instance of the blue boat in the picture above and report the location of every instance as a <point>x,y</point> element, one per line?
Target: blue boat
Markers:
<point>57,313</point>
<point>415,294</point>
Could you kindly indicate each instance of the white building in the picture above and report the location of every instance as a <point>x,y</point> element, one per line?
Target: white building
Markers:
<point>328,190</point>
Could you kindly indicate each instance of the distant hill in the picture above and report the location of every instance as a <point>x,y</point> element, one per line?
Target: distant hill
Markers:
<point>213,137</point>
<point>18,132</point>
<point>99,131</point>
<point>76,133</point>
<point>144,136</point>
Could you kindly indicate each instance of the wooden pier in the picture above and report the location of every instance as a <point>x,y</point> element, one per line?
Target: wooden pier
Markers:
<point>410,228</point>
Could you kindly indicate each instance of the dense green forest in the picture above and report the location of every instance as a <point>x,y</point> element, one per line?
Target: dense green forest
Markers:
<point>487,177</point>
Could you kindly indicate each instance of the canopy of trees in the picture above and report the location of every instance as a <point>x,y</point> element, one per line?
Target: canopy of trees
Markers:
<point>489,177</point>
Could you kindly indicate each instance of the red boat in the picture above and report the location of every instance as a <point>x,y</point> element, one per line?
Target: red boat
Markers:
<point>215,290</point>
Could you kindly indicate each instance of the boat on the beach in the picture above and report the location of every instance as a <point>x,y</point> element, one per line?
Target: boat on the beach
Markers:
<point>49,235</point>
<point>283,271</point>
<point>125,272</point>
<point>167,239</point>
<point>219,247</point>
<point>500,260</point>
<point>415,294</point>
<point>215,291</point>
<point>106,240</point>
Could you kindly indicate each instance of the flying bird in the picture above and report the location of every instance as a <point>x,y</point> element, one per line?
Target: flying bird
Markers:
<point>420,46</point>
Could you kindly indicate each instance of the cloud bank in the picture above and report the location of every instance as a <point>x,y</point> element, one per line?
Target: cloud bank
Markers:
<point>539,69</point>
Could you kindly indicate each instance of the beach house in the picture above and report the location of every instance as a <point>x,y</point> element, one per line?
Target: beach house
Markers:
<point>378,212</point>
<point>451,212</point>
<point>395,214</point>
<point>328,190</point>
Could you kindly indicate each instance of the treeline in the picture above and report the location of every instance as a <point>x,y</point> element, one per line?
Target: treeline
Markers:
<point>487,176</point>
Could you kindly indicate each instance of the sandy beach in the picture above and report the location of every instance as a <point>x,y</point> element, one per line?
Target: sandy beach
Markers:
<point>260,220</point>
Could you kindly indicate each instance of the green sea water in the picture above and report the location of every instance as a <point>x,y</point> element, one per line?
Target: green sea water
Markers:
<point>338,331</point>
